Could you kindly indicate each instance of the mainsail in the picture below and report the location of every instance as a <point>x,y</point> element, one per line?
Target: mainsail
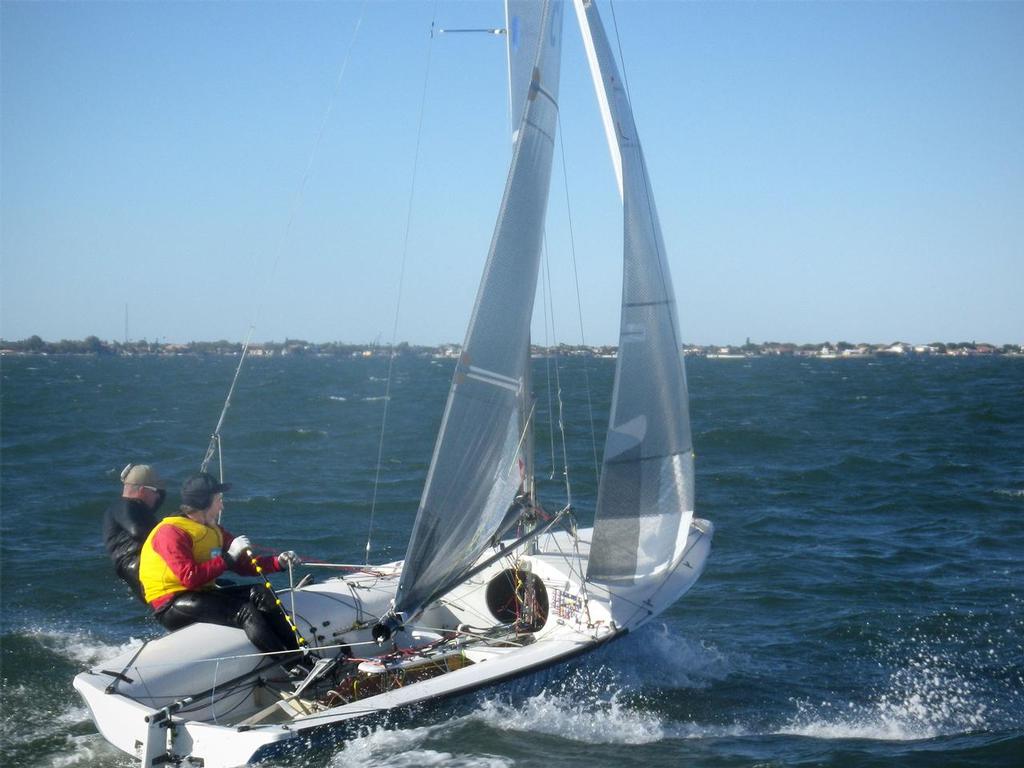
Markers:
<point>645,495</point>
<point>477,466</point>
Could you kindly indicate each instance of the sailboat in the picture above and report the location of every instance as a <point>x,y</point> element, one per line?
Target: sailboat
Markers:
<point>491,588</point>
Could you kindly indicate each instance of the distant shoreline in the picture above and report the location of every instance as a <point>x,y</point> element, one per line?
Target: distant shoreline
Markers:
<point>92,345</point>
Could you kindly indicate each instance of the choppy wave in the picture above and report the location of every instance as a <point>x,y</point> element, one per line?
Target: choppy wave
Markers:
<point>920,705</point>
<point>746,439</point>
<point>48,725</point>
<point>89,750</point>
<point>942,683</point>
<point>407,748</point>
<point>1014,493</point>
<point>79,646</point>
<point>864,584</point>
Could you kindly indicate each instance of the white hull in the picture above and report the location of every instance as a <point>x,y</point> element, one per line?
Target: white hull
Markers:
<point>231,720</point>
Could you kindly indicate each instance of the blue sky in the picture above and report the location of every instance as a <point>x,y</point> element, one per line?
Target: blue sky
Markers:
<point>822,170</point>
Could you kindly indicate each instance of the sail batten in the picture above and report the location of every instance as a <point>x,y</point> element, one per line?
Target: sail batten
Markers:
<point>479,466</point>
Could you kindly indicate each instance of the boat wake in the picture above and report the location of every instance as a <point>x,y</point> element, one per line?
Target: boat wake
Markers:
<point>597,715</point>
<point>587,707</point>
<point>657,657</point>
<point>604,700</point>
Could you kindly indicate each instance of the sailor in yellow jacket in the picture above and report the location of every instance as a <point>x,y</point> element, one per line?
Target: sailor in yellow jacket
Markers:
<point>185,553</point>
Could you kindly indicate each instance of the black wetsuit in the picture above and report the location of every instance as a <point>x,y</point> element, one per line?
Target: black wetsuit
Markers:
<point>241,605</point>
<point>126,524</point>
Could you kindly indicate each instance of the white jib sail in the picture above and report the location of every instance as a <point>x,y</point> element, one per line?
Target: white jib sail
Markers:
<point>645,495</point>
<point>476,469</point>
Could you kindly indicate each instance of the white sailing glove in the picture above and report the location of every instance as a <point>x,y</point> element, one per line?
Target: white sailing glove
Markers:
<point>238,547</point>
<point>288,560</point>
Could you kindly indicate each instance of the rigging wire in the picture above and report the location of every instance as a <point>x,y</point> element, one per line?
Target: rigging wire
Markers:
<point>401,282</point>
<point>579,302</point>
<point>527,426</point>
<point>547,363</point>
<point>622,60</point>
<point>558,386</point>
<point>215,438</point>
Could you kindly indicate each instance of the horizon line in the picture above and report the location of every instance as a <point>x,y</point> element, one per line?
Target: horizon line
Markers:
<point>377,345</point>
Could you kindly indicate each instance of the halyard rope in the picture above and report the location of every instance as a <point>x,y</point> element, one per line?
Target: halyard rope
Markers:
<point>401,281</point>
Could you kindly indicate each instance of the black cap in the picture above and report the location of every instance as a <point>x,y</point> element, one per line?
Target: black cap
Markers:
<point>198,490</point>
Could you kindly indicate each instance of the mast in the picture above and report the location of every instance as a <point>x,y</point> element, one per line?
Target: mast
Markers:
<point>521,23</point>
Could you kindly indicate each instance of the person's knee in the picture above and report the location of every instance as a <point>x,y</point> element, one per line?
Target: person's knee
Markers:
<point>256,628</point>
<point>172,619</point>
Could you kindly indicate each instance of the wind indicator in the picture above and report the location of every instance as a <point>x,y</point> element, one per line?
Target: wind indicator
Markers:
<point>484,30</point>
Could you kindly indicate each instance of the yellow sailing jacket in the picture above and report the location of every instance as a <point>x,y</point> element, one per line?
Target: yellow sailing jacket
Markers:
<point>170,563</point>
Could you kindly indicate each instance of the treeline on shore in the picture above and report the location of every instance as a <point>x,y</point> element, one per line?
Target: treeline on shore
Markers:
<point>92,345</point>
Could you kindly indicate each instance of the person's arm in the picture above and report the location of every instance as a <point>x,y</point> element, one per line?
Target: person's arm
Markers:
<point>243,565</point>
<point>175,547</point>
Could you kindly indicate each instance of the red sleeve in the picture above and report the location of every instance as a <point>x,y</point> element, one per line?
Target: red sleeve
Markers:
<point>175,547</point>
<point>243,565</point>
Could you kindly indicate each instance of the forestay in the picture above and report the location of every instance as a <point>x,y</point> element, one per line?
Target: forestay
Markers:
<point>475,471</point>
<point>645,495</point>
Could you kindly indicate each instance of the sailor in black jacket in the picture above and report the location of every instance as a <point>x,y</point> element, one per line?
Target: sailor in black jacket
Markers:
<point>129,520</point>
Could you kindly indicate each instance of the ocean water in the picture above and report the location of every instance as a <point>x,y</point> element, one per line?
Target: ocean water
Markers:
<point>863,605</point>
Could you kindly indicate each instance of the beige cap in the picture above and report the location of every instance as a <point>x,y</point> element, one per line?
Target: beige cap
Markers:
<point>142,474</point>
